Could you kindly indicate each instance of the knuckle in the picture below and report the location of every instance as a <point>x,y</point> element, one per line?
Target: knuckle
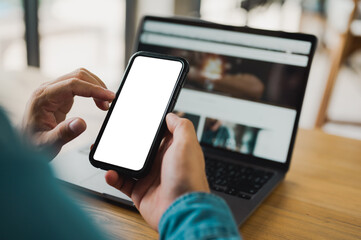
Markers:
<point>185,124</point>
<point>39,91</point>
<point>44,85</point>
<point>81,72</point>
<point>72,82</point>
<point>186,127</point>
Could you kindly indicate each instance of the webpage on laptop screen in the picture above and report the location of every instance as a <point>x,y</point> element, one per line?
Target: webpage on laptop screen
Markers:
<point>242,90</point>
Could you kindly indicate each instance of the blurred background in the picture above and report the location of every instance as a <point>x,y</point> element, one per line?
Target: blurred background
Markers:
<point>43,39</point>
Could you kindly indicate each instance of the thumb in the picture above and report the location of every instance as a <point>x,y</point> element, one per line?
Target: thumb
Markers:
<point>180,127</point>
<point>66,131</point>
<point>172,121</point>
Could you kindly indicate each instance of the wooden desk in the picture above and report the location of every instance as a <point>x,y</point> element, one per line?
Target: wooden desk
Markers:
<point>319,199</point>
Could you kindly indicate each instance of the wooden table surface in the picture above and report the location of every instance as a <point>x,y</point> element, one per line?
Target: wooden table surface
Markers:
<point>319,199</point>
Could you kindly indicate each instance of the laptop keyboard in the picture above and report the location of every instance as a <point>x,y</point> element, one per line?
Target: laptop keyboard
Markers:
<point>234,179</point>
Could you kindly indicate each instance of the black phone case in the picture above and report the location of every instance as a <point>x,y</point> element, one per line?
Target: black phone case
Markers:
<point>162,126</point>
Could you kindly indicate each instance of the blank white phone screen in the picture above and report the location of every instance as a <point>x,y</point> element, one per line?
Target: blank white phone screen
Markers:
<point>138,112</point>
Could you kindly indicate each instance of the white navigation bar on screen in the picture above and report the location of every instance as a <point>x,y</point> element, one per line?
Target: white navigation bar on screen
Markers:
<point>231,37</point>
<point>223,49</point>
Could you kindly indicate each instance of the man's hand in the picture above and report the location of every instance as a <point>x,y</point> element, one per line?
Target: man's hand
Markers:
<point>45,120</point>
<point>179,168</point>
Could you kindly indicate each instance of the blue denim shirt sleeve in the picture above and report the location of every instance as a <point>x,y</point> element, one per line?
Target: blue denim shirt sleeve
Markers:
<point>198,216</point>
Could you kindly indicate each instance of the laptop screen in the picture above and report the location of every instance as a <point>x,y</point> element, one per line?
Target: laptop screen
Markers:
<point>243,91</point>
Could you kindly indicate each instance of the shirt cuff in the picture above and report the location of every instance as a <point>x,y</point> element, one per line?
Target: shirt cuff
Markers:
<point>198,215</point>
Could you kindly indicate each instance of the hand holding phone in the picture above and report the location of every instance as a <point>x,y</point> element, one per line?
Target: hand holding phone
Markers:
<point>135,124</point>
<point>179,168</point>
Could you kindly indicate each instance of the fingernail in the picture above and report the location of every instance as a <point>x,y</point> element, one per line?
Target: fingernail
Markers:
<point>112,94</point>
<point>106,104</point>
<point>172,115</point>
<point>75,126</point>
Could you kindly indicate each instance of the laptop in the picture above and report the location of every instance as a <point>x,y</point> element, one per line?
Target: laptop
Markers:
<point>243,94</point>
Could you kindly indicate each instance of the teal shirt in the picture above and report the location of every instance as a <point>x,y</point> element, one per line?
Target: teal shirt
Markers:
<point>198,216</point>
<point>32,205</point>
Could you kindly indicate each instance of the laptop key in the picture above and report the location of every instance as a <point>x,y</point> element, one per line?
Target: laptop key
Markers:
<point>219,188</point>
<point>245,196</point>
<point>231,191</point>
<point>235,179</point>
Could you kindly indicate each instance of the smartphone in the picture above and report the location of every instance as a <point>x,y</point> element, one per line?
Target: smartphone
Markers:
<point>134,126</point>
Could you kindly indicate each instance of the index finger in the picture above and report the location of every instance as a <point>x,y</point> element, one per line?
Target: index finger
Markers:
<point>123,184</point>
<point>82,74</point>
<point>77,87</point>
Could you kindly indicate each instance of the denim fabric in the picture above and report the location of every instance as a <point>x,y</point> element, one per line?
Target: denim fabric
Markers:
<point>198,216</point>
